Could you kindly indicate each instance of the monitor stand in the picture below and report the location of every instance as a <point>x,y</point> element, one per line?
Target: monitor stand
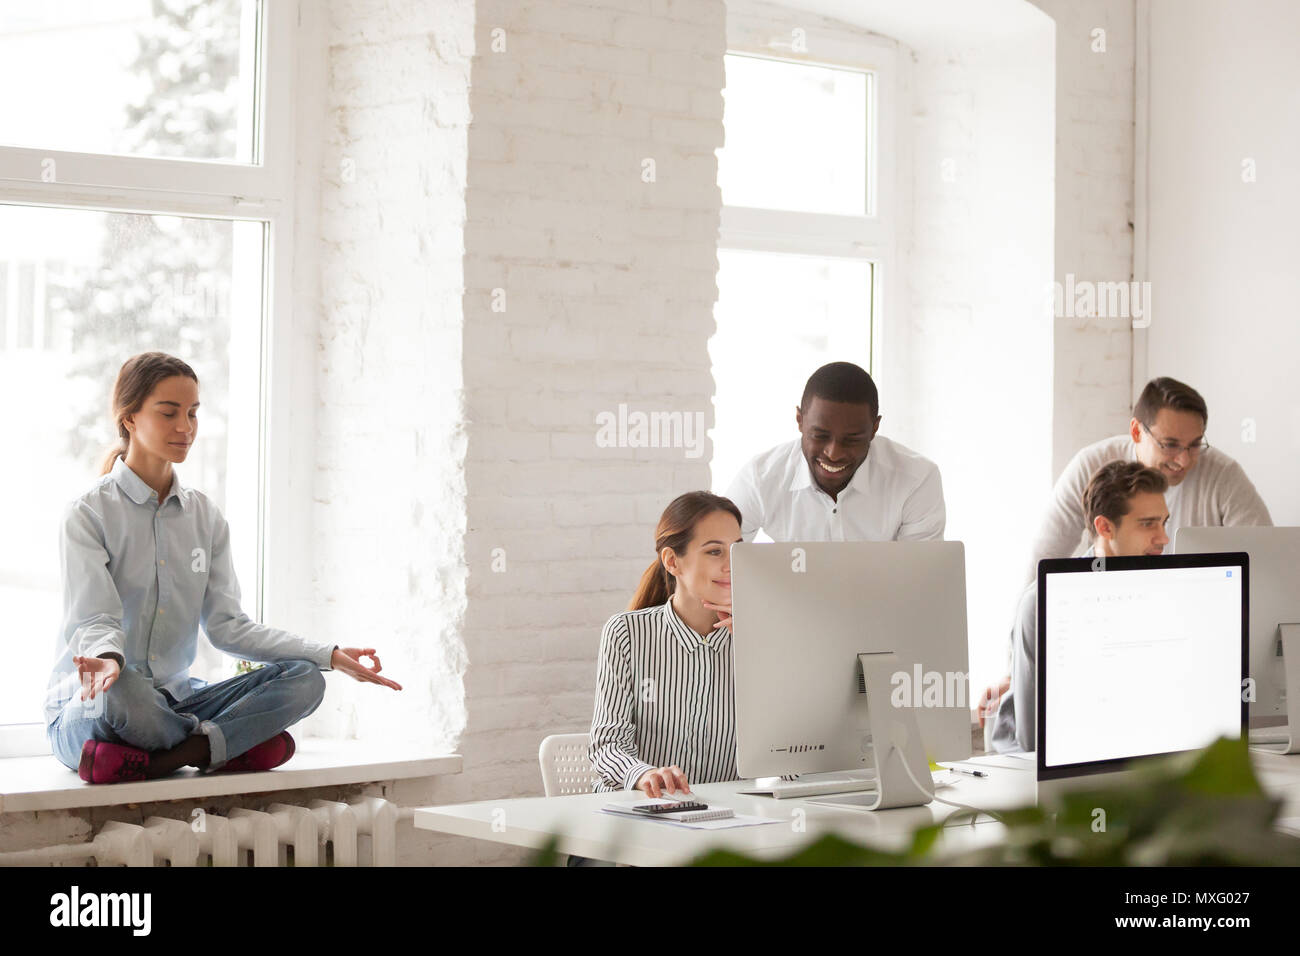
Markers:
<point>1287,741</point>
<point>895,744</point>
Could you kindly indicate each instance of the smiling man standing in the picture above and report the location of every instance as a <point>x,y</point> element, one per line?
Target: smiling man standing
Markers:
<point>839,480</point>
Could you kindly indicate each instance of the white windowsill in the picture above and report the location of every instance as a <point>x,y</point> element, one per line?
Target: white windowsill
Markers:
<point>42,783</point>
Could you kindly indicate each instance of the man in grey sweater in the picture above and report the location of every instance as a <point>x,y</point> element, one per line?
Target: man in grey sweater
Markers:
<point>1124,505</point>
<point>1207,488</point>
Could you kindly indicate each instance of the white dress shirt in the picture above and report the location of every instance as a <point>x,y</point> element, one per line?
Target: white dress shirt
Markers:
<point>895,495</point>
<point>139,580</point>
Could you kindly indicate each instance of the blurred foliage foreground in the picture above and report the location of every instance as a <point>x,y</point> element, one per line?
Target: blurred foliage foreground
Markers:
<point>1202,808</point>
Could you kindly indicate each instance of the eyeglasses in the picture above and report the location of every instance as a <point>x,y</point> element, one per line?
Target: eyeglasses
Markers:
<point>1170,447</point>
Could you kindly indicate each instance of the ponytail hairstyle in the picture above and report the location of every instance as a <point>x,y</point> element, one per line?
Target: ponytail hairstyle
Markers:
<point>675,530</point>
<point>135,382</point>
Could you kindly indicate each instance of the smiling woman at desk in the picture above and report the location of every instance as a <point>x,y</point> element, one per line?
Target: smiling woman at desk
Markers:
<point>665,712</point>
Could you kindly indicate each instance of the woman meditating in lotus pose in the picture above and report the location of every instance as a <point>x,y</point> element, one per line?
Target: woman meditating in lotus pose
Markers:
<point>146,562</point>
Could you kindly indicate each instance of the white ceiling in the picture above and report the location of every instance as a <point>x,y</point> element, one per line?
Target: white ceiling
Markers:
<point>921,23</point>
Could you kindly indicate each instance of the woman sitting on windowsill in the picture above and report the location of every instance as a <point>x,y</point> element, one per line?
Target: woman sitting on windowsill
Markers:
<point>146,562</point>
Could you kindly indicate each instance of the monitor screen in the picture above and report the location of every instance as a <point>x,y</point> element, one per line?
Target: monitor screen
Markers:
<point>1139,661</point>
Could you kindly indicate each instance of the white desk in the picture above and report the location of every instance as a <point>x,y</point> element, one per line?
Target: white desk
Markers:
<point>1280,776</point>
<point>582,830</point>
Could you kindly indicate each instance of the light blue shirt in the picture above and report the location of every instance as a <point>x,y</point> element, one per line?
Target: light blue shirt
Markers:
<point>140,578</point>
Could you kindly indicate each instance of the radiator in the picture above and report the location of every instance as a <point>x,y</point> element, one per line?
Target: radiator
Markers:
<point>322,833</point>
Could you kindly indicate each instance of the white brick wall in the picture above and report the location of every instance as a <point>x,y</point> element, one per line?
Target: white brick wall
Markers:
<point>609,285</point>
<point>434,406</point>
<point>388,527</point>
<point>387,524</point>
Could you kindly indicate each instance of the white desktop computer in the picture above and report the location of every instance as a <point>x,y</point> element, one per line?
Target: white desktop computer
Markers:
<point>1274,624</point>
<point>1137,657</point>
<point>820,623</point>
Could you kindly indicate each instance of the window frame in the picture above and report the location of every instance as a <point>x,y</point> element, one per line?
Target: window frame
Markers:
<point>871,237</point>
<point>260,191</point>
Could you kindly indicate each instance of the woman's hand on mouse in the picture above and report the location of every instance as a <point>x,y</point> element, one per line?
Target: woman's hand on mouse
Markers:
<point>661,780</point>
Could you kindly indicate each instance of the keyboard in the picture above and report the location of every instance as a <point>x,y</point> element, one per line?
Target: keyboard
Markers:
<point>1271,735</point>
<point>816,784</point>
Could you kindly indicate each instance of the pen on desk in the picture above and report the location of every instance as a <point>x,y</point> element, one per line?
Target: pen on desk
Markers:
<point>973,773</point>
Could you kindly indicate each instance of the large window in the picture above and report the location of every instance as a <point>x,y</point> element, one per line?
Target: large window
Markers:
<point>806,240</point>
<point>796,137</point>
<point>151,77</point>
<point>143,205</point>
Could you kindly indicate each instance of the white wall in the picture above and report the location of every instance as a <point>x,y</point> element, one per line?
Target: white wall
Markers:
<point>1223,252</point>
<point>971,365</point>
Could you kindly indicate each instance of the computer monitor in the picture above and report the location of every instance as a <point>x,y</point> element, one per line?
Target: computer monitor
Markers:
<point>1137,657</point>
<point>804,611</point>
<point>1274,602</point>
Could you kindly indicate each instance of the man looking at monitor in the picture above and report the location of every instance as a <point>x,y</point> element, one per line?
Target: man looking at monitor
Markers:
<point>1207,488</point>
<point>840,480</point>
<point>1125,507</point>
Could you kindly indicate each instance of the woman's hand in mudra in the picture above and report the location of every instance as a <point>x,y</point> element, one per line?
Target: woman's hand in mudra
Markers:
<point>348,660</point>
<point>96,674</point>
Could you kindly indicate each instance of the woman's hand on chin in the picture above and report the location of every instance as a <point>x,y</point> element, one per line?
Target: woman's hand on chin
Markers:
<point>724,614</point>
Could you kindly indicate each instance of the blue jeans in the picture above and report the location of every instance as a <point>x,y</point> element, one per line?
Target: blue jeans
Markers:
<point>235,714</point>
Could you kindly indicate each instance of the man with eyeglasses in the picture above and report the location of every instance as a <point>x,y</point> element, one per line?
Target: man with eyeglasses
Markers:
<point>1207,488</point>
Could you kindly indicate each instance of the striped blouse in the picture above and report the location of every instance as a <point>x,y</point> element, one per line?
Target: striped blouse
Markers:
<point>664,695</point>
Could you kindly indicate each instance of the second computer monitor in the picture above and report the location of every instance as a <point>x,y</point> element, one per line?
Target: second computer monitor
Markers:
<point>804,611</point>
<point>1274,600</point>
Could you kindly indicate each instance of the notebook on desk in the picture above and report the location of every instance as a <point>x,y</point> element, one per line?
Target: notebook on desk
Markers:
<point>726,818</point>
<point>678,816</point>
